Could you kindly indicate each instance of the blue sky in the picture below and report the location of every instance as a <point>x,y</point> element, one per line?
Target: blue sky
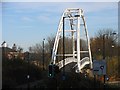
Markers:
<point>28,23</point>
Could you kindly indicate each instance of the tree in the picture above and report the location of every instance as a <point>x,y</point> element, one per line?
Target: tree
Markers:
<point>37,51</point>
<point>20,49</point>
<point>111,49</point>
<point>49,44</point>
<point>110,43</point>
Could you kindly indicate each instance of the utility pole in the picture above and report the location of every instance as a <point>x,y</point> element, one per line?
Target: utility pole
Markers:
<point>63,48</point>
<point>104,50</point>
<point>43,54</point>
<point>28,72</point>
<point>104,46</point>
<point>104,55</point>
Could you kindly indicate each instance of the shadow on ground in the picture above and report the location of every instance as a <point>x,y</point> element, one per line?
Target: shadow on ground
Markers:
<point>70,80</point>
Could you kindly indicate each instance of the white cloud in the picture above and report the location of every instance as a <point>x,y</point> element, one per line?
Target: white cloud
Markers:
<point>46,19</point>
<point>25,27</point>
<point>26,19</point>
<point>43,18</point>
<point>19,11</point>
<point>55,7</point>
<point>108,20</point>
<point>90,7</point>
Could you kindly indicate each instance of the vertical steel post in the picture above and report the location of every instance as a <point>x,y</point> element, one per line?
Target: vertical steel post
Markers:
<point>73,44</point>
<point>78,42</point>
<point>104,55</point>
<point>63,47</point>
<point>28,76</point>
<point>104,46</point>
<point>43,54</point>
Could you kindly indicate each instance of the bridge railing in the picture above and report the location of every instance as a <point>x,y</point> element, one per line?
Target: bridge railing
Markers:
<point>86,59</point>
<point>84,62</point>
<point>67,61</point>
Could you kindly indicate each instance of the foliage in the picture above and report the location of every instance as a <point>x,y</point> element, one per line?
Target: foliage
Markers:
<point>111,50</point>
<point>110,43</point>
<point>14,72</point>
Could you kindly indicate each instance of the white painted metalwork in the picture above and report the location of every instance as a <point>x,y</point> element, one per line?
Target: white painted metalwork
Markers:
<point>76,19</point>
<point>67,61</point>
<point>4,44</point>
<point>82,62</point>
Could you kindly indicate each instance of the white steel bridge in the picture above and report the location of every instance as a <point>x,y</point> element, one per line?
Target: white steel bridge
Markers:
<point>73,22</point>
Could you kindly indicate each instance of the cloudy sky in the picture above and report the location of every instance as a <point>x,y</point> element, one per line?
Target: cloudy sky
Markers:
<point>60,0</point>
<point>27,23</point>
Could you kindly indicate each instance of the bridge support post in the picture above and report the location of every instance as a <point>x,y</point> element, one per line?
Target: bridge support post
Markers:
<point>78,42</point>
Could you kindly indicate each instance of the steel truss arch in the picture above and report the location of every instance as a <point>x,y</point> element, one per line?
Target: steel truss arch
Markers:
<point>76,19</point>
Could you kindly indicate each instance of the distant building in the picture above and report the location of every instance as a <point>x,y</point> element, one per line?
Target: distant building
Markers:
<point>4,44</point>
<point>11,53</point>
<point>17,53</point>
<point>14,47</point>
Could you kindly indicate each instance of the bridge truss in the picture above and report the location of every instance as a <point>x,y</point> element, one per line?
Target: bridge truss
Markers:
<point>73,21</point>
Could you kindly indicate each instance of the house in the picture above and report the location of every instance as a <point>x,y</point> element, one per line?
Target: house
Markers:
<point>11,53</point>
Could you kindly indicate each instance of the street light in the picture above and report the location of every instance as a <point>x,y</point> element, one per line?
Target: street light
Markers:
<point>104,49</point>
<point>112,46</point>
<point>104,43</point>
<point>63,48</point>
<point>112,43</point>
<point>43,53</point>
<point>112,53</point>
<point>104,53</point>
<point>104,46</point>
<point>28,68</point>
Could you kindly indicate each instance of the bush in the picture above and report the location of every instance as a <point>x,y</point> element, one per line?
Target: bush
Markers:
<point>14,72</point>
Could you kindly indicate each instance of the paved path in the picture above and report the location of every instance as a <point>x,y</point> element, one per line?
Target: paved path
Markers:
<point>114,82</point>
<point>32,84</point>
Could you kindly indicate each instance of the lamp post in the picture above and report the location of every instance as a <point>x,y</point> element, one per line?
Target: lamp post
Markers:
<point>63,48</point>
<point>112,54</point>
<point>43,53</point>
<point>104,49</point>
<point>28,69</point>
<point>113,44</point>
<point>104,54</point>
<point>104,46</point>
<point>104,43</point>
